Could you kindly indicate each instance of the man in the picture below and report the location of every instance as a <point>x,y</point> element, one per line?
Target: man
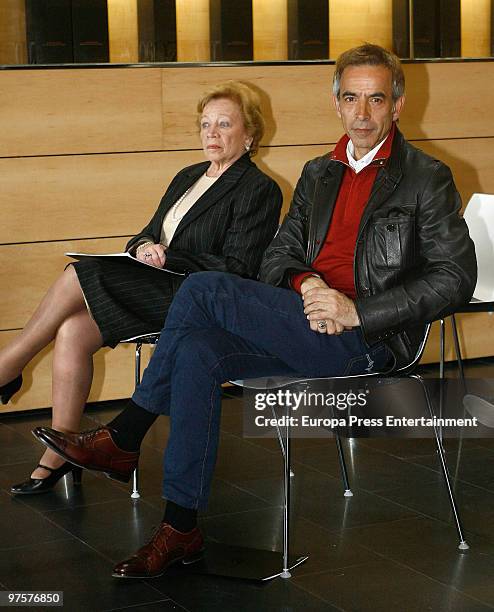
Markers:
<point>372,248</point>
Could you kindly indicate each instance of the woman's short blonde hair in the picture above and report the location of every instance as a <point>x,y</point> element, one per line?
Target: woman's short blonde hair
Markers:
<point>248,102</point>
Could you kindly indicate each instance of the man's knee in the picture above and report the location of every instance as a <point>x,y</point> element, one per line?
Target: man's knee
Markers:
<point>203,351</point>
<point>209,279</point>
<point>209,282</point>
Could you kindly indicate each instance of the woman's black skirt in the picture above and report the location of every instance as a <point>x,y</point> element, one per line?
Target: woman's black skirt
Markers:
<point>126,299</point>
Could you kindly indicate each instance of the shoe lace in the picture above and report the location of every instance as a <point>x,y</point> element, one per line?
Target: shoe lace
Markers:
<point>153,532</point>
<point>92,433</point>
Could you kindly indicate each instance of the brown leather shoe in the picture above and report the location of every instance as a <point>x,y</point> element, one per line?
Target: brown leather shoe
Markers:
<point>166,547</point>
<point>93,450</point>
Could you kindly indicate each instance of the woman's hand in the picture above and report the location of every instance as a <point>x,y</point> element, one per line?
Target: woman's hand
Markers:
<point>153,254</point>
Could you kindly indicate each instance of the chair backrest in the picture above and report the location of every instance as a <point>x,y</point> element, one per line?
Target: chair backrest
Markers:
<point>409,368</point>
<point>479,216</point>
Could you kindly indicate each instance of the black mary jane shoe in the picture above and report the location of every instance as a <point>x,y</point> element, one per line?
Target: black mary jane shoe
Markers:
<point>33,486</point>
<point>8,390</point>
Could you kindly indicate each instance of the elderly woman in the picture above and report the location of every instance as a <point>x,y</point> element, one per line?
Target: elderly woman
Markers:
<point>216,215</point>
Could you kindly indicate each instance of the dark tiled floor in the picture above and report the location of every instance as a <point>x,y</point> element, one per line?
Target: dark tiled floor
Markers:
<point>391,547</point>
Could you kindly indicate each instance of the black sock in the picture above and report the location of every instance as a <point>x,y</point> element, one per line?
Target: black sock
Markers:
<point>128,428</point>
<point>180,518</point>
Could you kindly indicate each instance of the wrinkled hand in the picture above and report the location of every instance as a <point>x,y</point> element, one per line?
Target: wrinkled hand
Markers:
<point>321,303</point>
<point>153,254</point>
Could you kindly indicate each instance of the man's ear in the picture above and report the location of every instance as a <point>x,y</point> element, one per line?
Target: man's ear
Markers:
<point>398,107</point>
<point>336,104</point>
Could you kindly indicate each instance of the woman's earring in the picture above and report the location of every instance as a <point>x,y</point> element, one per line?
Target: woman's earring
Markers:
<point>247,146</point>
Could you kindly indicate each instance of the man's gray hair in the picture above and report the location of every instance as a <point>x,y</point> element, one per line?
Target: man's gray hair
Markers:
<point>371,55</point>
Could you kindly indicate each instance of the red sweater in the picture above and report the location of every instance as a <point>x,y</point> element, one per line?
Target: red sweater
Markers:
<point>334,262</point>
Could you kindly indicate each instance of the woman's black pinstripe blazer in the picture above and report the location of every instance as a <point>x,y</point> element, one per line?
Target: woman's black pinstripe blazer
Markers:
<point>228,228</point>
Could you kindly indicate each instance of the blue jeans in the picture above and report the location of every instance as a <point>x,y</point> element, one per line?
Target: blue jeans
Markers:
<point>221,327</point>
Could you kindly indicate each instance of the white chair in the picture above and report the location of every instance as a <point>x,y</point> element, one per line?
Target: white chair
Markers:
<point>479,217</point>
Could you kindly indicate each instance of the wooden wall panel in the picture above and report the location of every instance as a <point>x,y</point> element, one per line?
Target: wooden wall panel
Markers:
<point>285,164</point>
<point>32,268</point>
<point>441,103</point>
<point>469,160</point>
<point>476,333</point>
<point>84,196</point>
<point>297,101</point>
<point>108,195</point>
<point>114,110</point>
<point>290,95</point>
<point>115,195</point>
<point>47,112</point>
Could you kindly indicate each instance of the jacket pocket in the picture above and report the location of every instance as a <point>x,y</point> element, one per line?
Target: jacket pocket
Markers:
<point>394,242</point>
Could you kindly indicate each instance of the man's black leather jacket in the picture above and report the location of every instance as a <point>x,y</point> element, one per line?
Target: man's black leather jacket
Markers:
<point>414,261</point>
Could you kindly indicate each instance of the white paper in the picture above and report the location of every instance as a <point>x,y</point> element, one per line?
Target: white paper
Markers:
<point>123,256</point>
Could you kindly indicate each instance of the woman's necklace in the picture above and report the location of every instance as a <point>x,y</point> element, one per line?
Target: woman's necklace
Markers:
<point>175,207</point>
<point>175,212</point>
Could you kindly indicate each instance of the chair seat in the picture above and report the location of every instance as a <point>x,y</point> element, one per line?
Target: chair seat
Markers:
<point>477,306</point>
<point>143,339</point>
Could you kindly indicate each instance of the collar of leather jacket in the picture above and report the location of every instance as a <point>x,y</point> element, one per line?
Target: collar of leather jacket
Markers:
<point>339,153</point>
<point>327,186</point>
<point>391,168</point>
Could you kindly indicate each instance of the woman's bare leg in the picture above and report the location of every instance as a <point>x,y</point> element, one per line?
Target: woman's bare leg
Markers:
<point>63,299</point>
<point>62,315</point>
<point>77,339</point>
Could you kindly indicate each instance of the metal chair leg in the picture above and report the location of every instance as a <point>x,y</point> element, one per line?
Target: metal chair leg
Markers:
<point>284,442</point>
<point>135,476</point>
<point>137,376</point>
<point>457,347</point>
<point>135,485</point>
<point>463,544</point>
<point>461,371</point>
<point>286,501</point>
<point>341,458</point>
<point>442,345</point>
<point>441,348</point>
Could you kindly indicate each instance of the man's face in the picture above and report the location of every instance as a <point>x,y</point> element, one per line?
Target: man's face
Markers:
<point>366,106</point>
